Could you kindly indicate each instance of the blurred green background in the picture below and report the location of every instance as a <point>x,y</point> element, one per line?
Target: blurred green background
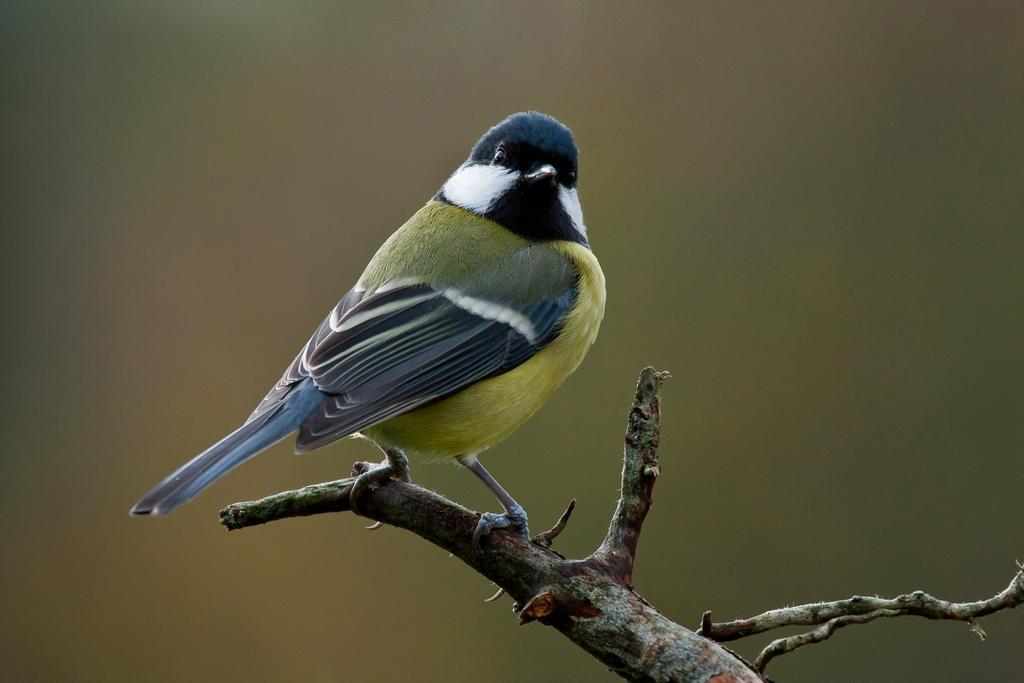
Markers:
<point>809,212</point>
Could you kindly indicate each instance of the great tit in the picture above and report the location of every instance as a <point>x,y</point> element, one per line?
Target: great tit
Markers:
<point>462,325</point>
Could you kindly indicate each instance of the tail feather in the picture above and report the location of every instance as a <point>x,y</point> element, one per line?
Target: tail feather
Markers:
<point>248,440</point>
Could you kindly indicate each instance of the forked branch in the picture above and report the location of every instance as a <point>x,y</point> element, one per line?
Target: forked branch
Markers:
<point>860,609</point>
<point>592,601</point>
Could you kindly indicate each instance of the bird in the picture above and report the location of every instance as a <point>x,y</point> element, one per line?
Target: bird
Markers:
<point>462,325</point>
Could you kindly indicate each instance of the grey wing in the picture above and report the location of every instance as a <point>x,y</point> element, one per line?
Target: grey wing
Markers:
<point>402,348</point>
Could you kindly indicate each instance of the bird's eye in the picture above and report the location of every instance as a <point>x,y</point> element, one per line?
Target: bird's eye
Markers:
<point>571,175</point>
<point>500,155</point>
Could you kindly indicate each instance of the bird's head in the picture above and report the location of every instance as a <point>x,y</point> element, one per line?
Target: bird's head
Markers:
<point>522,174</point>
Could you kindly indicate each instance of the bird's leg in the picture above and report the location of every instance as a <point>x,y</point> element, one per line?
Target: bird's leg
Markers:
<point>514,515</point>
<point>395,467</point>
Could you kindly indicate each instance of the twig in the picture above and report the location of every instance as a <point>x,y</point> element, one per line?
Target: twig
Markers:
<point>917,603</point>
<point>784,645</point>
<point>547,538</point>
<point>857,610</point>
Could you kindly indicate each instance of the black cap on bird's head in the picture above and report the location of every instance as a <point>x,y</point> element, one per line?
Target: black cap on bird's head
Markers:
<point>522,174</point>
<point>529,139</point>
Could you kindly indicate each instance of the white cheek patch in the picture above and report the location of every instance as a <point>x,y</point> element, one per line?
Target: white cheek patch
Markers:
<point>476,187</point>
<point>571,204</point>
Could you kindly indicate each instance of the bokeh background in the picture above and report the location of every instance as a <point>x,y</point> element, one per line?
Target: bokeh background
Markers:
<point>811,213</point>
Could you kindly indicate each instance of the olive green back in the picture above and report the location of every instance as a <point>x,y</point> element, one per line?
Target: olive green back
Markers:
<point>449,247</point>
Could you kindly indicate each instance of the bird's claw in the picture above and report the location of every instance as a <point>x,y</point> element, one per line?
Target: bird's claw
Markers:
<point>514,518</point>
<point>395,467</point>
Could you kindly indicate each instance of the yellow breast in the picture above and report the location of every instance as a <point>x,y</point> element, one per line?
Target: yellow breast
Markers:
<point>484,413</point>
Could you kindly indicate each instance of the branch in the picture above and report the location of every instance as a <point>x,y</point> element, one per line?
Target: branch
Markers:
<point>590,601</point>
<point>858,610</point>
<point>639,470</point>
<point>331,496</point>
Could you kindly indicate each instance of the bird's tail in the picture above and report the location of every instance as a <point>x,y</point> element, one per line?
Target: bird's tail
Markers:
<point>234,449</point>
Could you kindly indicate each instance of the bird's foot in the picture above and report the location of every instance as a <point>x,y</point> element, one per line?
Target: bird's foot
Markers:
<point>395,467</point>
<point>514,517</point>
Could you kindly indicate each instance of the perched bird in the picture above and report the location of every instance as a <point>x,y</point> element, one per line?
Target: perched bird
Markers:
<point>462,325</point>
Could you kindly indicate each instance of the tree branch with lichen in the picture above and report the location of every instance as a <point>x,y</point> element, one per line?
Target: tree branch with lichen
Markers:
<point>592,601</point>
<point>860,609</point>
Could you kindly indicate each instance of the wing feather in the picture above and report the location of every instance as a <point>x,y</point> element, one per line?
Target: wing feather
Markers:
<point>406,343</point>
<point>393,359</point>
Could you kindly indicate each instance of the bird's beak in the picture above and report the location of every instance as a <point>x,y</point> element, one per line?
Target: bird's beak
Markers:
<point>541,173</point>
